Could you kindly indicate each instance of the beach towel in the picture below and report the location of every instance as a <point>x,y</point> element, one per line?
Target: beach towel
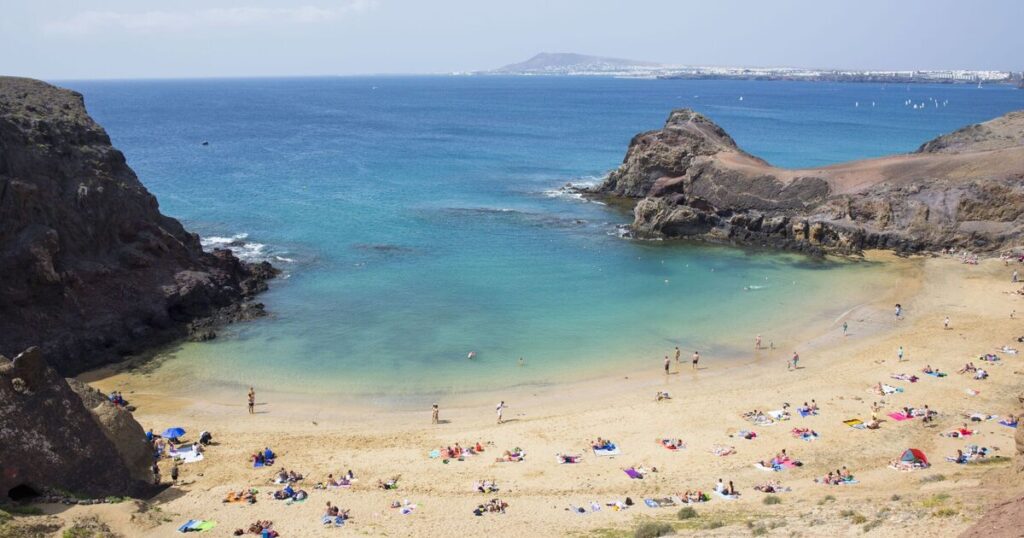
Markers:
<point>726,497</point>
<point>257,464</point>
<point>632,473</point>
<point>659,503</point>
<point>889,389</point>
<point>434,454</point>
<point>809,436</point>
<point>1008,424</point>
<point>806,412</point>
<point>337,521</point>
<point>577,510</point>
<point>855,423</point>
<point>197,525</point>
<point>778,415</point>
<point>899,417</point>
<point>769,469</point>
<point>613,451</point>
<point>186,456</point>
<point>936,374</point>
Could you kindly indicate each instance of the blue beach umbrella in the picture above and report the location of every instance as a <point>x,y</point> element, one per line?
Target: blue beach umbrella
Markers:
<point>171,433</point>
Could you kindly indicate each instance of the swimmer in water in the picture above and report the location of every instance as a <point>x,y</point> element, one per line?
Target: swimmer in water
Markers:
<point>472,355</point>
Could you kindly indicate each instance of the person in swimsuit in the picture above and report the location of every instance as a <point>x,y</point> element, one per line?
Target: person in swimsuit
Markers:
<point>252,400</point>
<point>696,359</point>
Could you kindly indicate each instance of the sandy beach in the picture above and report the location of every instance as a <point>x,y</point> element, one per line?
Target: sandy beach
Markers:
<point>315,437</point>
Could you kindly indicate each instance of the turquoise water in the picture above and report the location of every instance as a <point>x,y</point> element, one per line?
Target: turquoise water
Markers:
<point>418,219</point>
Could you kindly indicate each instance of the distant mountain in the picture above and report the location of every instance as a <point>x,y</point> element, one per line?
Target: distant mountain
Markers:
<point>567,63</point>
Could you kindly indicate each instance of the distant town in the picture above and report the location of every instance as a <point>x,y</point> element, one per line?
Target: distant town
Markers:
<point>570,64</point>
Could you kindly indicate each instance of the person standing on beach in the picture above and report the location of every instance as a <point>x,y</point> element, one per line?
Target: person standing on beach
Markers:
<point>252,400</point>
<point>500,409</point>
<point>945,323</point>
<point>696,359</point>
<point>899,354</point>
<point>757,343</point>
<point>845,327</point>
<point>677,354</point>
<point>434,414</point>
<point>899,310</point>
<point>794,361</point>
<point>1015,277</point>
<point>667,363</point>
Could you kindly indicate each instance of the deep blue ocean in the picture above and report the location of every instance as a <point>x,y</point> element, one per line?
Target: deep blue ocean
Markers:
<point>418,218</point>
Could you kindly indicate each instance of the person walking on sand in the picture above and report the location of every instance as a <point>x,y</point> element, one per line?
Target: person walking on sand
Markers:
<point>757,343</point>
<point>500,409</point>
<point>252,400</point>
<point>945,323</point>
<point>435,414</point>
<point>846,327</point>
<point>667,362</point>
<point>1015,277</point>
<point>899,354</point>
<point>899,310</point>
<point>794,360</point>
<point>696,359</point>
<point>677,354</point>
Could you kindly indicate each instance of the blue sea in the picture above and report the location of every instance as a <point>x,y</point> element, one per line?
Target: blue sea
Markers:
<point>420,218</point>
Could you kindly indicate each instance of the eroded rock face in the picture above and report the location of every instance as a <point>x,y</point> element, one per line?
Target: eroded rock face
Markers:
<point>91,269</point>
<point>964,190</point>
<point>50,439</point>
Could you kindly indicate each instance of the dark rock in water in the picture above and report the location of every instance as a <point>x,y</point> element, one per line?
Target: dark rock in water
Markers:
<point>53,438</point>
<point>963,190</point>
<point>91,270</point>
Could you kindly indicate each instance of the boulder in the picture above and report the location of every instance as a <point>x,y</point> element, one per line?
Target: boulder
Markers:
<point>52,441</point>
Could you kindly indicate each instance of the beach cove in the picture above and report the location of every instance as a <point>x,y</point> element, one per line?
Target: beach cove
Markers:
<point>705,411</point>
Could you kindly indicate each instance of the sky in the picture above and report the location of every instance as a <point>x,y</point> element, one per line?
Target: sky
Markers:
<point>94,39</point>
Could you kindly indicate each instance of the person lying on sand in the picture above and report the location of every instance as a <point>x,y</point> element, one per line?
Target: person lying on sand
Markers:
<point>391,483</point>
<point>662,395</point>
<point>771,486</point>
<point>568,458</point>
<point>514,455</point>
<point>969,367</point>
<point>485,486</point>
<point>493,506</point>
<point>258,528</point>
<point>694,496</point>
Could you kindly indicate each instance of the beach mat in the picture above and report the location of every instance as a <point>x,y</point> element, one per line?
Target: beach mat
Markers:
<point>855,423</point>
<point>607,452</point>
<point>899,417</point>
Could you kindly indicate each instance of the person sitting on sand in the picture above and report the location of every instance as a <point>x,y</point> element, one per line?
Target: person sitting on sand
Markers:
<point>969,367</point>
<point>662,395</point>
<point>980,374</point>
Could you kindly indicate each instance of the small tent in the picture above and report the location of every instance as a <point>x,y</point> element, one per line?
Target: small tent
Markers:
<point>914,456</point>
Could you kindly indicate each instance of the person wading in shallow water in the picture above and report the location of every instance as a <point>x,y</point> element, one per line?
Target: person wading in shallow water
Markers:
<point>667,362</point>
<point>252,400</point>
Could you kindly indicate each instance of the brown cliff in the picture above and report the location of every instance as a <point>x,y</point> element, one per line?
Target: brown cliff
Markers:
<point>92,271</point>
<point>963,190</point>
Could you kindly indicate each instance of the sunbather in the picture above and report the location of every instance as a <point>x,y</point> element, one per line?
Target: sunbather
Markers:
<point>391,483</point>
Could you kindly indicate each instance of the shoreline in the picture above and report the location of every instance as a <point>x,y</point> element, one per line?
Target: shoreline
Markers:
<point>142,377</point>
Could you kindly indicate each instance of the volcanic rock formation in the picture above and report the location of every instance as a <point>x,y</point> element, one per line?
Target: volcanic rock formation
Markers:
<point>91,270</point>
<point>52,438</point>
<point>962,190</point>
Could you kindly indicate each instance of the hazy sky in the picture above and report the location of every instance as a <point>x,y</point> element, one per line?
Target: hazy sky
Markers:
<point>61,39</point>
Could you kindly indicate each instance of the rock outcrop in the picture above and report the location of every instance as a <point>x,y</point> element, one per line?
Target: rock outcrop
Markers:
<point>92,271</point>
<point>54,439</point>
<point>962,190</point>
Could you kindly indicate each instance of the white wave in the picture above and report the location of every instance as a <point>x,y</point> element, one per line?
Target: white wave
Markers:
<point>247,251</point>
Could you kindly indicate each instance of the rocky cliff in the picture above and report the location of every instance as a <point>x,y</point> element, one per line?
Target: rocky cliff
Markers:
<point>91,269</point>
<point>52,440</point>
<point>963,190</point>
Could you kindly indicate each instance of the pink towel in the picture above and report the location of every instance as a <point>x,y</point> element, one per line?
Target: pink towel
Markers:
<point>899,416</point>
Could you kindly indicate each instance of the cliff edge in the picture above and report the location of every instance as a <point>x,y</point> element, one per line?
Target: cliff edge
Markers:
<point>962,190</point>
<point>92,271</point>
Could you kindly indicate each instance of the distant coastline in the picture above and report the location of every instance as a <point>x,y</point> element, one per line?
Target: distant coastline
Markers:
<point>571,64</point>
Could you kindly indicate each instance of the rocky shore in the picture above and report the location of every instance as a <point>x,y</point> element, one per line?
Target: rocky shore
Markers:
<point>92,271</point>
<point>962,190</point>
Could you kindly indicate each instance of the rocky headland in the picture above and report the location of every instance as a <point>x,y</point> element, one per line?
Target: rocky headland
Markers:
<point>92,271</point>
<point>961,190</point>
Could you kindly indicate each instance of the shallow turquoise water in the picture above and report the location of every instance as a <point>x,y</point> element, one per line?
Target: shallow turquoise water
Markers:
<point>417,218</point>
